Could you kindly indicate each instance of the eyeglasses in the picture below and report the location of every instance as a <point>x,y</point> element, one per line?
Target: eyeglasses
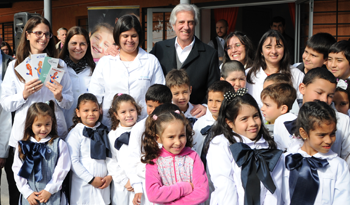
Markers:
<point>237,45</point>
<point>40,34</point>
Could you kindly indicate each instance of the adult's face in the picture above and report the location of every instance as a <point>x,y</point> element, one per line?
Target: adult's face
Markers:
<point>221,29</point>
<point>38,38</point>
<point>5,49</point>
<point>62,34</point>
<point>184,27</point>
<point>77,47</point>
<point>129,41</point>
<point>236,50</point>
<point>278,27</point>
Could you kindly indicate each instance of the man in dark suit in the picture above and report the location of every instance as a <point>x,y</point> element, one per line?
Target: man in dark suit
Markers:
<point>186,51</point>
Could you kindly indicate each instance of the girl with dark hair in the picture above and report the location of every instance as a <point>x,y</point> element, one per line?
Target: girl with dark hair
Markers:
<point>132,72</point>
<point>6,48</point>
<point>42,160</point>
<point>272,56</point>
<point>314,174</point>
<point>76,53</point>
<point>240,48</point>
<point>174,173</point>
<point>17,94</point>
<point>241,155</point>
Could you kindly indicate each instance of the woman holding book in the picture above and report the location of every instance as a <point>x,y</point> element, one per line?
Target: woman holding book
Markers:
<point>18,94</point>
<point>76,53</point>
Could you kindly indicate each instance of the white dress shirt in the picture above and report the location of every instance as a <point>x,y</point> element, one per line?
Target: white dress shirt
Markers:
<point>183,53</point>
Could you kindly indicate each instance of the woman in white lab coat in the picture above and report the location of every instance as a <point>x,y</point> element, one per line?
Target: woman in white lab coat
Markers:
<point>76,53</point>
<point>272,56</point>
<point>132,72</point>
<point>17,94</point>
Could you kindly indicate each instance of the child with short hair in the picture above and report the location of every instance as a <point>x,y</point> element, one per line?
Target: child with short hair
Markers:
<point>318,84</point>
<point>234,73</point>
<point>174,173</point>
<point>339,59</point>
<point>89,148</point>
<point>240,144</point>
<point>316,52</point>
<point>41,161</point>
<point>341,97</point>
<point>314,174</point>
<point>277,78</point>
<point>156,95</point>
<point>124,112</point>
<point>179,84</point>
<point>277,100</point>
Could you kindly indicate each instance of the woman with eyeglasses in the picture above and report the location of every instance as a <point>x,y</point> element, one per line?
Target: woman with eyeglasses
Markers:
<point>17,94</point>
<point>240,48</point>
<point>76,53</point>
<point>272,56</point>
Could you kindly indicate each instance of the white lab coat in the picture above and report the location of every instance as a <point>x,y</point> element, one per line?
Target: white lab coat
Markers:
<point>84,168</point>
<point>5,130</point>
<point>61,170</point>
<point>198,138</point>
<point>334,178</point>
<point>111,77</point>
<point>117,168</point>
<point>226,175</point>
<point>12,100</point>
<point>256,88</point>
<point>80,84</point>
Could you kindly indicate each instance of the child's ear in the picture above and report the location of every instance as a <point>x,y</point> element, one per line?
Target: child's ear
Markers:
<point>101,111</point>
<point>222,79</point>
<point>303,133</point>
<point>116,115</point>
<point>190,90</point>
<point>302,88</point>
<point>158,138</point>
<point>229,123</point>
<point>77,112</point>
<point>284,109</point>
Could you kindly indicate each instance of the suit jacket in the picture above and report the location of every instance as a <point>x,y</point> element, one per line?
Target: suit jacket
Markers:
<point>221,51</point>
<point>5,62</point>
<point>201,65</point>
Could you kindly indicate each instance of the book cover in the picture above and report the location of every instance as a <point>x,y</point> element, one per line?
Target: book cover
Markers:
<point>54,74</point>
<point>26,70</point>
<point>37,63</point>
<point>48,64</point>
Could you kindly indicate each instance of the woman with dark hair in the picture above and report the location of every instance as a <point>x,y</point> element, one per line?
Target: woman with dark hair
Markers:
<point>271,57</point>
<point>131,72</point>
<point>76,53</point>
<point>6,48</point>
<point>240,48</point>
<point>17,94</point>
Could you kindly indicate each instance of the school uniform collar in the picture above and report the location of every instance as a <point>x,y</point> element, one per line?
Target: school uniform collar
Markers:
<point>125,129</point>
<point>81,125</point>
<point>209,117</point>
<point>260,144</point>
<point>46,139</point>
<point>165,153</point>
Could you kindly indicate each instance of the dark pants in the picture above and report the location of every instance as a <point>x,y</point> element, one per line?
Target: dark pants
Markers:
<point>13,191</point>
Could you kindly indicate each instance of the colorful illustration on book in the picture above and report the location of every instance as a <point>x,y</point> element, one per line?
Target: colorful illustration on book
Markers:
<point>40,64</point>
<point>53,77</point>
<point>29,68</point>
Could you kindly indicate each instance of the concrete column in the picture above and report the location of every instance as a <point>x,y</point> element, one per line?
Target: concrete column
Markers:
<point>47,10</point>
<point>185,1</point>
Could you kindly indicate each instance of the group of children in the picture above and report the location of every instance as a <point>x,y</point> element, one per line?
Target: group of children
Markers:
<point>287,151</point>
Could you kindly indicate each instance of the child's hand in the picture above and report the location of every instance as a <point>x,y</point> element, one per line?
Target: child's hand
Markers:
<point>106,181</point>
<point>32,199</point>
<point>137,199</point>
<point>128,186</point>
<point>97,183</point>
<point>44,196</point>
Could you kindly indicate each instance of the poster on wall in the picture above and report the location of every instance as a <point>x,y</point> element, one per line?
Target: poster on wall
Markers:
<point>101,21</point>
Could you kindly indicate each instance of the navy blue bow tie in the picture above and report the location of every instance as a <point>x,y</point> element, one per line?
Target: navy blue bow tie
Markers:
<point>192,120</point>
<point>99,146</point>
<point>290,126</point>
<point>303,178</point>
<point>256,167</point>
<point>34,153</point>
<point>205,130</point>
<point>122,139</point>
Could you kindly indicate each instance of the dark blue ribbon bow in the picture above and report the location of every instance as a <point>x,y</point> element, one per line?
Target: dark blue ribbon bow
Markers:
<point>99,146</point>
<point>122,139</point>
<point>34,153</point>
<point>256,167</point>
<point>303,179</point>
<point>290,126</point>
<point>192,120</point>
<point>206,130</point>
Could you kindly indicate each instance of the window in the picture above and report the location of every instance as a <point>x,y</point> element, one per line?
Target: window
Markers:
<point>6,32</point>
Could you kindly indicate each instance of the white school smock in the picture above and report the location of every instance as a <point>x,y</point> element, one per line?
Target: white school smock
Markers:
<point>12,100</point>
<point>198,138</point>
<point>226,175</point>
<point>334,179</point>
<point>80,84</point>
<point>61,170</point>
<point>84,168</point>
<point>258,79</point>
<point>111,77</point>
<point>117,168</point>
<point>5,130</point>
<point>280,133</point>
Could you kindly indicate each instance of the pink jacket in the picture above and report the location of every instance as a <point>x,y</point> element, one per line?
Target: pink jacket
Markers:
<point>163,186</point>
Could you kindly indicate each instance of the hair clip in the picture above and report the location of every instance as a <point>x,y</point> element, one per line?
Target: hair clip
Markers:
<point>240,92</point>
<point>177,111</point>
<point>229,95</point>
<point>119,94</point>
<point>343,84</point>
<point>155,117</point>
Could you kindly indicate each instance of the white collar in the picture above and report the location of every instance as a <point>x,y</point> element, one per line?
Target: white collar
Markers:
<point>189,46</point>
<point>260,144</point>
<point>124,128</point>
<point>94,127</point>
<point>46,139</point>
